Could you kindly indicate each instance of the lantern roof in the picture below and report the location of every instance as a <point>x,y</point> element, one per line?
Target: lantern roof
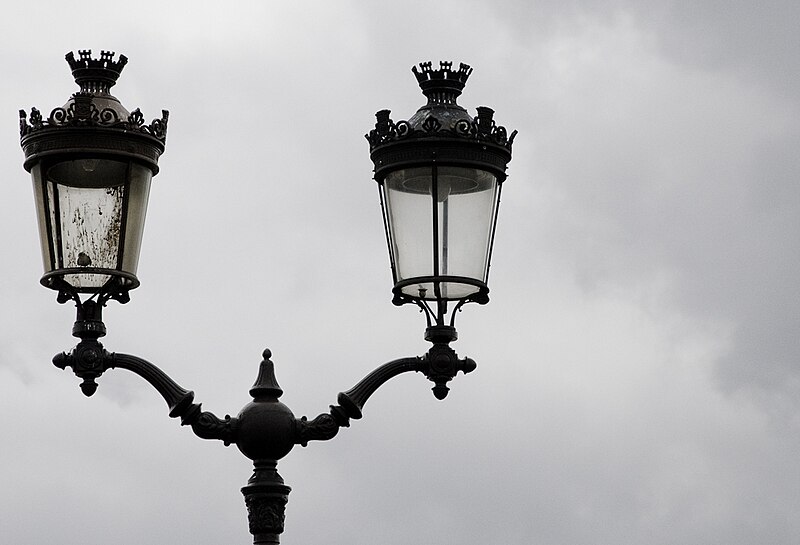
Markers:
<point>441,87</point>
<point>441,128</point>
<point>97,120</point>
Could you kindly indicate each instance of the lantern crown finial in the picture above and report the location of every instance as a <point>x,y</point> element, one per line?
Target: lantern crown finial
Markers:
<point>444,85</point>
<point>95,75</point>
<point>94,108</point>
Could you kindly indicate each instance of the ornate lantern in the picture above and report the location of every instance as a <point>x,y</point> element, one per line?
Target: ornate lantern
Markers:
<point>440,174</point>
<point>91,162</point>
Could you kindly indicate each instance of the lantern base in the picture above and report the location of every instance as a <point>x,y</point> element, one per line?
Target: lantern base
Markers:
<point>116,287</point>
<point>436,305</point>
<point>440,288</point>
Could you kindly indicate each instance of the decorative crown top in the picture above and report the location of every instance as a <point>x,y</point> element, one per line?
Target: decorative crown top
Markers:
<point>95,75</point>
<point>442,117</point>
<point>442,86</point>
<point>92,106</point>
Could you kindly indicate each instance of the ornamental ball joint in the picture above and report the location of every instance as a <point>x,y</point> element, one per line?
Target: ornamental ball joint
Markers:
<point>267,428</point>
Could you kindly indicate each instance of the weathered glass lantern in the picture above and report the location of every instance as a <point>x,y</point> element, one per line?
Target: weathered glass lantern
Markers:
<point>440,174</point>
<point>91,162</point>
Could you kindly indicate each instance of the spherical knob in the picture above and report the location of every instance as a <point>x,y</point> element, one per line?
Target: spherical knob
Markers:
<point>267,430</point>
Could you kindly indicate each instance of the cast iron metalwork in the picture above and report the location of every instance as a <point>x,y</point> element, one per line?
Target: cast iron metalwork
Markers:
<point>265,430</point>
<point>113,129</point>
<point>440,128</point>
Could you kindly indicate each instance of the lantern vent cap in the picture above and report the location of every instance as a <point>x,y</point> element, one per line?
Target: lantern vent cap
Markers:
<point>442,118</point>
<point>95,121</point>
<point>95,75</point>
<point>443,86</point>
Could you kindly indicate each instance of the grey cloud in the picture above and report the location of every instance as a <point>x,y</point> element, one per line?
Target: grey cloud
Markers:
<point>637,362</point>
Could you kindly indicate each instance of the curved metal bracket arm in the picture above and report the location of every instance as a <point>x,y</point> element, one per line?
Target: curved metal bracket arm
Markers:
<point>440,365</point>
<point>352,401</point>
<point>89,360</point>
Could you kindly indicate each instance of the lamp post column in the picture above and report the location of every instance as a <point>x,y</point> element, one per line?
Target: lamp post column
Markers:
<point>265,496</point>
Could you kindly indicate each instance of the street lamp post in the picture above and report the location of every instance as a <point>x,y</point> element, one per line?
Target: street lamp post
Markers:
<point>439,176</point>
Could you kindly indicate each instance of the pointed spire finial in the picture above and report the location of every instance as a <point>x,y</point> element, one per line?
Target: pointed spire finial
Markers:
<point>266,384</point>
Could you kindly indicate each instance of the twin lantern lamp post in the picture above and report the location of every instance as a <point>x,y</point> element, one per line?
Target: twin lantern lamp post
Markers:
<point>439,175</point>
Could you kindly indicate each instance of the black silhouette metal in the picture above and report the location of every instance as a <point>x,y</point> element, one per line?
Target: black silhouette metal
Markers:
<point>265,430</point>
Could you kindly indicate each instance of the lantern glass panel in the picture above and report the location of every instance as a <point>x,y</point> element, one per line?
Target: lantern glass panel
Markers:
<point>137,210</point>
<point>410,219</point>
<point>92,219</point>
<point>465,213</point>
<point>42,213</point>
<point>440,222</point>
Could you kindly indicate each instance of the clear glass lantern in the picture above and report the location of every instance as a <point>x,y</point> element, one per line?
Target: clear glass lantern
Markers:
<point>440,175</point>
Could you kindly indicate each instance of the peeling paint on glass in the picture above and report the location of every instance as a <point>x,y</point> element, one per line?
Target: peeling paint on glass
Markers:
<point>93,211</point>
<point>90,220</point>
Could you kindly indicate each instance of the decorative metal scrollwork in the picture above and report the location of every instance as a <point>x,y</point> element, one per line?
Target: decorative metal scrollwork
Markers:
<point>322,428</point>
<point>431,124</point>
<point>481,129</point>
<point>83,114</point>
<point>136,119</point>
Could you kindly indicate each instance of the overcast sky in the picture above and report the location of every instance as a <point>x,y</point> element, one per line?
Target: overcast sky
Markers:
<point>638,374</point>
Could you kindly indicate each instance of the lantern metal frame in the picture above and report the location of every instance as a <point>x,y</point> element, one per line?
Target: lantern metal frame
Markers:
<point>265,430</point>
<point>441,134</point>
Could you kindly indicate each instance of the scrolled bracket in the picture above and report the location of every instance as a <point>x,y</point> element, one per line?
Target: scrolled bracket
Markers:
<point>439,365</point>
<point>322,428</point>
<point>204,424</point>
<point>89,360</point>
<point>208,426</point>
<point>351,402</point>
